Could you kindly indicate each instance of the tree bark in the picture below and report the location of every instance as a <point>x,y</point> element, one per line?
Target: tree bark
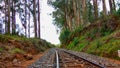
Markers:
<point>75,15</point>
<point>13,17</point>
<point>78,15</point>
<point>114,6</point>
<point>8,17</point>
<point>110,4</point>
<point>84,12</point>
<point>95,8</point>
<point>29,26</point>
<point>104,7</point>
<point>6,21</point>
<point>65,16</point>
<point>39,34</point>
<point>26,18</point>
<point>34,14</point>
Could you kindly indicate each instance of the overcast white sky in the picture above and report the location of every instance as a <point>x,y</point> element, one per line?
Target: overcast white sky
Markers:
<point>48,30</point>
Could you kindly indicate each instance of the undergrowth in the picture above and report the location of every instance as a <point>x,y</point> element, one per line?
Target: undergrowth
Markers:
<point>98,38</point>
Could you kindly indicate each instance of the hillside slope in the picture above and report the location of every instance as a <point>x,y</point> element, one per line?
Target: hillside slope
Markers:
<point>101,38</point>
<point>15,49</point>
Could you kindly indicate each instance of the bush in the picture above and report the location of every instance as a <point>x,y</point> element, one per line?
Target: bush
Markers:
<point>64,35</point>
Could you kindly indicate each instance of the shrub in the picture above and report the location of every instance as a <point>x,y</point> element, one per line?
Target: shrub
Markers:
<point>64,35</point>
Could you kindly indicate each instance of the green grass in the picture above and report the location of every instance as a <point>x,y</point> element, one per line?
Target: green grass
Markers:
<point>1,49</point>
<point>105,45</point>
<point>17,50</point>
<point>39,44</point>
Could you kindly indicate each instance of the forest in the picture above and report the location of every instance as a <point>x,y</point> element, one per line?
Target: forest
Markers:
<point>27,11</point>
<point>87,26</point>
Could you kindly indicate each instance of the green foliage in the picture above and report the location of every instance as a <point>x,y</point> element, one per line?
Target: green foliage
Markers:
<point>104,45</point>
<point>77,30</point>
<point>81,46</point>
<point>73,43</point>
<point>98,44</point>
<point>92,33</point>
<point>3,38</point>
<point>90,12</point>
<point>117,13</point>
<point>76,41</point>
<point>58,18</point>
<point>105,30</point>
<point>39,44</point>
<point>1,49</point>
<point>103,17</point>
<point>64,35</point>
<point>16,50</point>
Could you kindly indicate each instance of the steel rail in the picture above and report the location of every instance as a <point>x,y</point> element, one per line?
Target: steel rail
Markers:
<point>86,60</point>
<point>57,59</point>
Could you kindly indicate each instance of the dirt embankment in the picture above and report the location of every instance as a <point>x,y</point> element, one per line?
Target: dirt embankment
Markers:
<point>19,51</point>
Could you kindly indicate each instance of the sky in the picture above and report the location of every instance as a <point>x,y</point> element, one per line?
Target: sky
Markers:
<point>48,30</point>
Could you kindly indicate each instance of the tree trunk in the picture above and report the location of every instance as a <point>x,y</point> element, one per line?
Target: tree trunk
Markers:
<point>104,7</point>
<point>29,26</point>
<point>26,18</point>
<point>75,15</point>
<point>35,22</point>
<point>13,18</point>
<point>65,17</point>
<point>110,4</point>
<point>84,12</point>
<point>6,21</point>
<point>78,15</point>
<point>114,6</point>
<point>95,8</point>
<point>8,17</point>
<point>39,34</point>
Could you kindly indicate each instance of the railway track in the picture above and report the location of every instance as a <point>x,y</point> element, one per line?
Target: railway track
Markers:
<point>68,60</point>
<point>60,58</point>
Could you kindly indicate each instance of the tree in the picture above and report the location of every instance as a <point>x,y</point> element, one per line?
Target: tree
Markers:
<point>39,19</point>
<point>6,21</point>
<point>8,27</point>
<point>13,17</point>
<point>26,10</point>
<point>104,7</point>
<point>25,17</point>
<point>112,6</point>
<point>95,8</point>
<point>84,12</point>
<point>35,20</point>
